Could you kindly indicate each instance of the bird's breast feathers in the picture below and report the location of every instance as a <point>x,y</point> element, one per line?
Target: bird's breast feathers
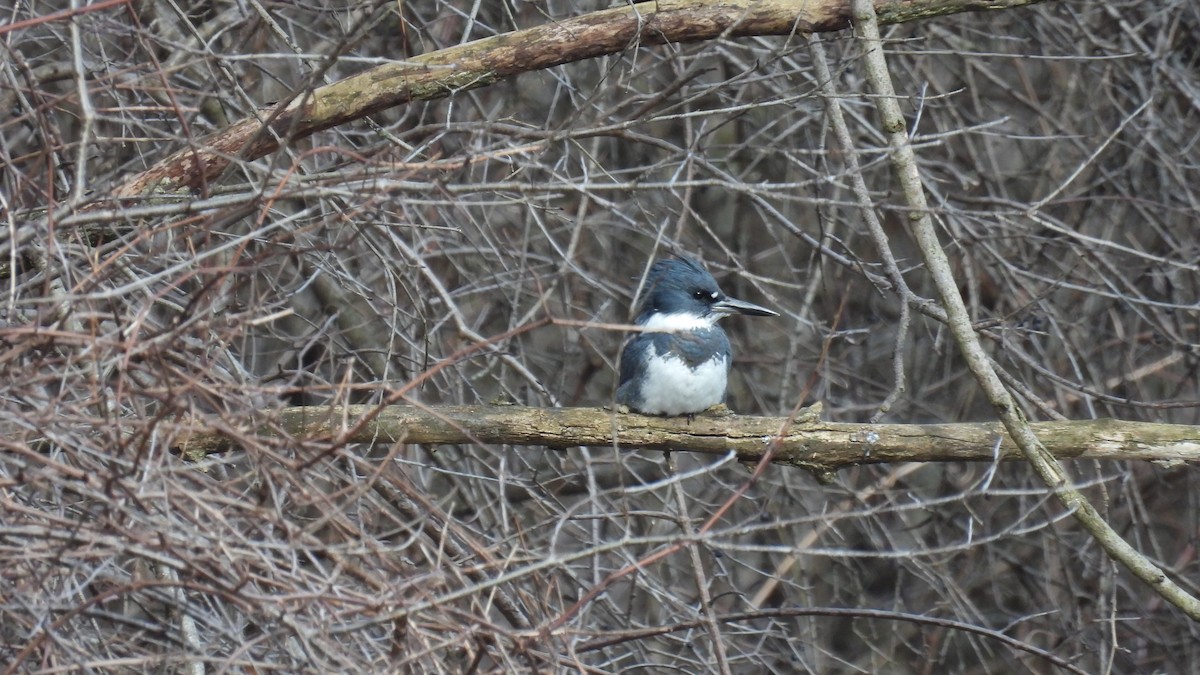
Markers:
<point>669,386</point>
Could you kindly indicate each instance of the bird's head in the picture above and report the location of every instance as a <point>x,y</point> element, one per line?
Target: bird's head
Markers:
<point>682,295</point>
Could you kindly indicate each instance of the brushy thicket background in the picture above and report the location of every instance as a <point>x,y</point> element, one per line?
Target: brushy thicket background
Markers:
<point>1059,143</point>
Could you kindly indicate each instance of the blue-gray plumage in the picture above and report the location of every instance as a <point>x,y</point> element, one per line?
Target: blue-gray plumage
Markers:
<point>680,365</point>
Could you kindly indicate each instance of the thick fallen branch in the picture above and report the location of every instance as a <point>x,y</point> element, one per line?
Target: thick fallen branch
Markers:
<point>483,62</point>
<point>808,442</point>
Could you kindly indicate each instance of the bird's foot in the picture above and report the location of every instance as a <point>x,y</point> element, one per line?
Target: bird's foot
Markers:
<point>619,408</point>
<point>718,410</point>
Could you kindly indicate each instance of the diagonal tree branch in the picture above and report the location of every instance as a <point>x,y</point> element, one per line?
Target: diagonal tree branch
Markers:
<point>483,62</point>
<point>958,321</point>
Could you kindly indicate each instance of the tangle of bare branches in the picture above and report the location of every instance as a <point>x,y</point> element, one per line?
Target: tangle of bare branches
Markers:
<point>272,230</point>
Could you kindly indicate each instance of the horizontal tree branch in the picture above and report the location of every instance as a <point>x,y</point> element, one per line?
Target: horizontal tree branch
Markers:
<point>808,442</point>
<point>483,62</point>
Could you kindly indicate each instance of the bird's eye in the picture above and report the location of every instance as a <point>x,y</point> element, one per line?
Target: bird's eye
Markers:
<point>706,296</point>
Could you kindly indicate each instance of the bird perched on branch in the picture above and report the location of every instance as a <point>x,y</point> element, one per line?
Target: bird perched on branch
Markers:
<point>680,363</point>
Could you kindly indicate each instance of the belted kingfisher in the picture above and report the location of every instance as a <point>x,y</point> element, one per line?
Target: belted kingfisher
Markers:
<point>681,368</point>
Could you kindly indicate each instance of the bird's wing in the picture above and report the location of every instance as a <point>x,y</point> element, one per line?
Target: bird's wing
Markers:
<point>632,355</point>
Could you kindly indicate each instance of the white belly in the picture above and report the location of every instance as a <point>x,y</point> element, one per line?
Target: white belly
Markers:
<point>671,388</point>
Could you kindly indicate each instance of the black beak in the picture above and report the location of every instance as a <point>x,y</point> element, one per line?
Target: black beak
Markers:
<point>734,306</point>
